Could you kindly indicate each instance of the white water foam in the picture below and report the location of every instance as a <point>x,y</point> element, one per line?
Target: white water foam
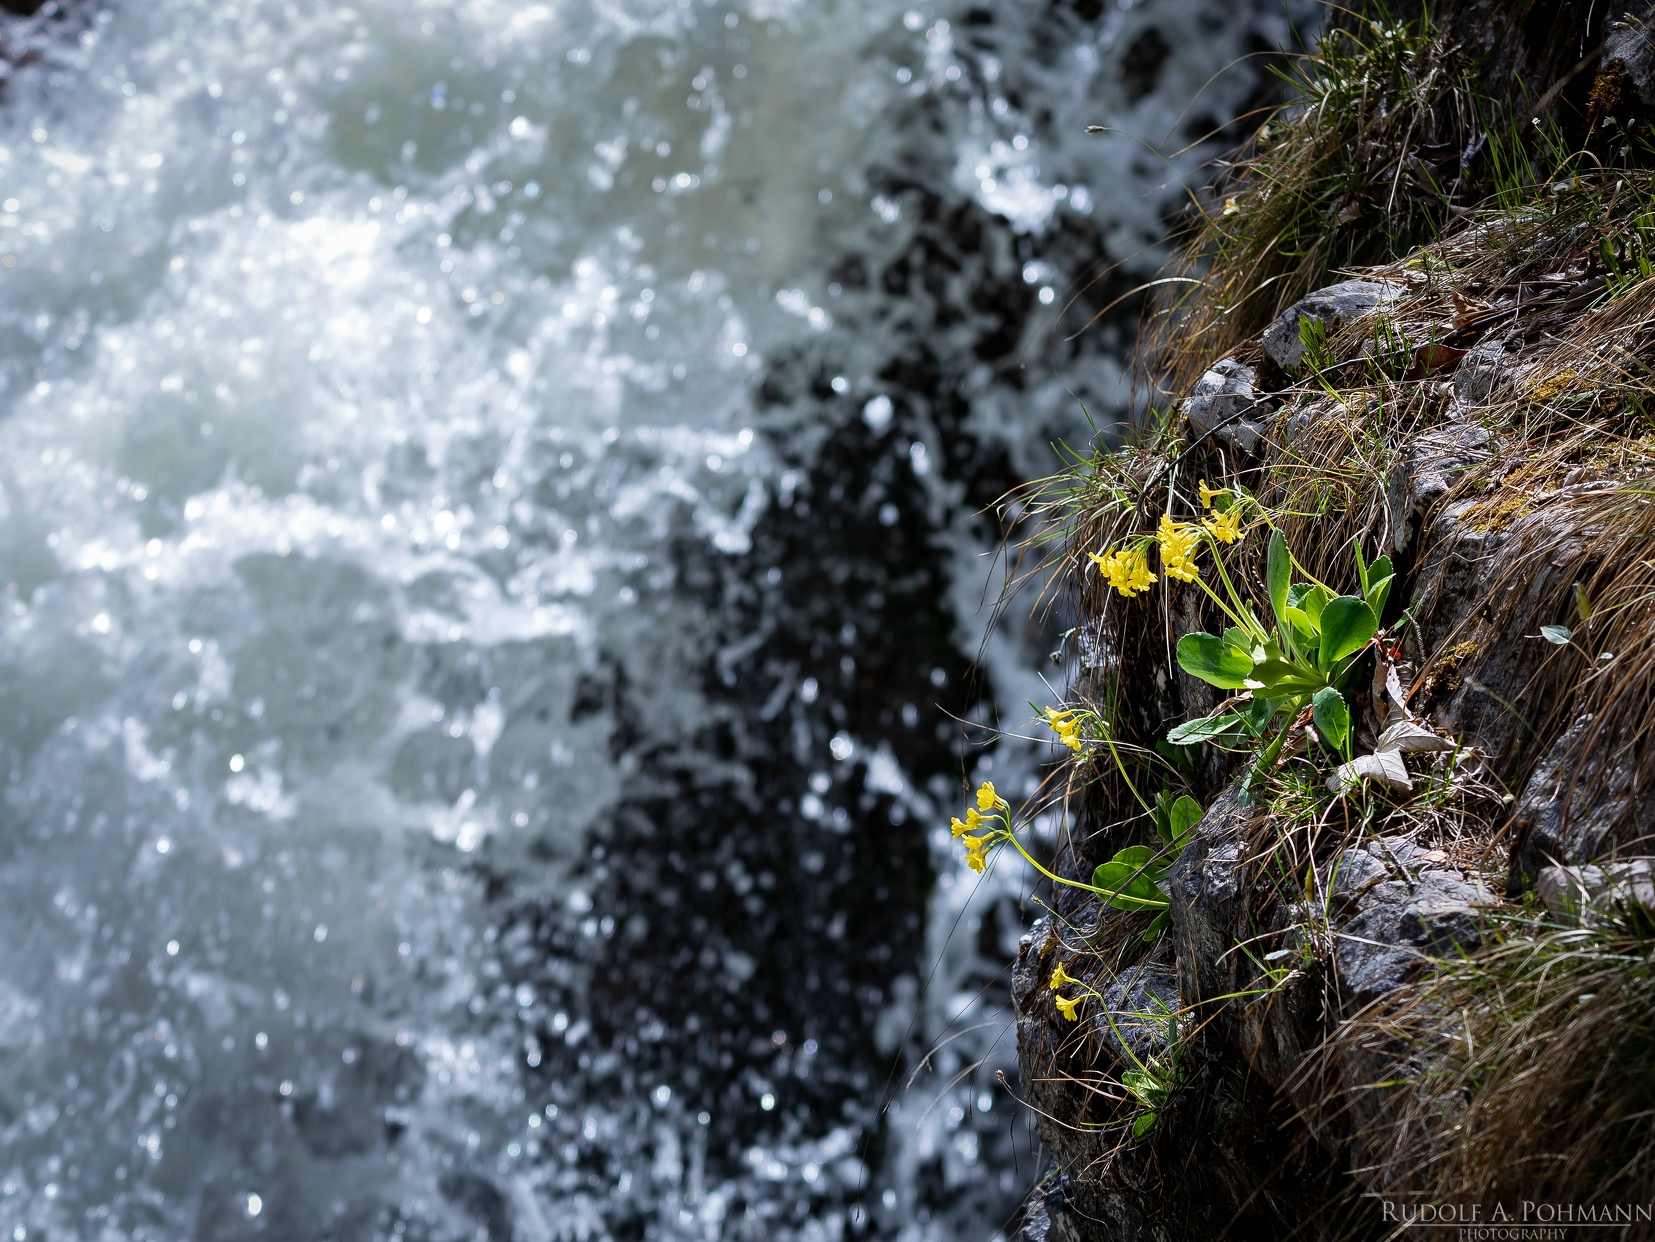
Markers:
<point>360,367</point>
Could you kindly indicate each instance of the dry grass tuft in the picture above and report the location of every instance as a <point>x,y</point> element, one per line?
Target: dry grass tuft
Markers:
<point>1526,1073</point>
<point>1362,166</point>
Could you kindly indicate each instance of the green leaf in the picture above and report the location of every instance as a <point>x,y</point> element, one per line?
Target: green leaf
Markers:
<point>1295,688</point>
<point>1143,1125</point>
<point>1112,877</point>
<point>1557,635</point>
<point>1241,640</point>
<point>1143,1084</point>
<point>1379,590</point>
<point>1332,716</point>
<point>1278,575</point>
<point>1214,661</point>
<point>1305,601</point>
<point>1315,600</point>
<point>1125,887</point>
<point>1361,565</point>
<point>1186,814</point>
<point>1281,678</point>
<point>1157,925</point>
<point>1583,603</point>
<point>1161,814</point>
<point>1271,669</point>
<point>1231,725</point>
<point>1347,625</point>
<point>1135,856</point>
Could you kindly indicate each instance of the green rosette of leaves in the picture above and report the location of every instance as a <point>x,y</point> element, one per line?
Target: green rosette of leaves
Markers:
<point>1302,661</point>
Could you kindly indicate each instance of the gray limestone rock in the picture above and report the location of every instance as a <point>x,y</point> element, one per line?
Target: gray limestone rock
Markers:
<point>1393,907</point>
<point>1570,808</point>
<point>1630,39</point>
<point>1207,891</point>
<point>1336,306</point>
<point>1138,1012</point>
<point>1220,402</point>
<point>1477,375</point>
<point>1426,472</point>
<point>1582,892</point>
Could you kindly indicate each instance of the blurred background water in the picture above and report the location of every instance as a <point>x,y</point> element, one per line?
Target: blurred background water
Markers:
<point>492,561</point>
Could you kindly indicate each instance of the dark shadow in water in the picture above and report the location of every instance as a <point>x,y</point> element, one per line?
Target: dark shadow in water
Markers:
<point>849,585</point>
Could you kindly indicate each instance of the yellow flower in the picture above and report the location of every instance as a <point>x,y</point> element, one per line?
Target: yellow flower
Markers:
<point>1231,207</point>
<point>1138,577</point>
<point>1179,541</point>
<point>1208,494</point>
<point>1060,977</point>
<point>974,820</point>
<point>1066,727</point>
<point>1225,527</point>
<point>988,800</point>
<point>1068,1007</point>
<point>976,853</point>
<point>1126,571</point>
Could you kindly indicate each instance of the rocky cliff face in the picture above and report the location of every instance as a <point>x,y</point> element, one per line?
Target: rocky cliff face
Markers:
<point>1476,410</point>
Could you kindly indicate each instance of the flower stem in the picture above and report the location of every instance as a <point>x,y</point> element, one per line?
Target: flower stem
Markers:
<point>1137,902</point>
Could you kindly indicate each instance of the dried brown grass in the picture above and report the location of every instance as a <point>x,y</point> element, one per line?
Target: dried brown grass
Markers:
<point>1525,1073</point>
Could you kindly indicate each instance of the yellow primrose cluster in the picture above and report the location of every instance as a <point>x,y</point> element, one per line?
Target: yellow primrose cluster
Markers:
<point>1127,569</point>
<point>1067,727</point>
<point>1066,1006</point>
<point>1226,526</point>
<point>1179,542</point>
<point>991,809</point>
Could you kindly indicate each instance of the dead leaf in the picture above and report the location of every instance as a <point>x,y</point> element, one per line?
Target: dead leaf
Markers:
<point>1408,737</point>
<point>1384,767</point>
<point>1431,358</point>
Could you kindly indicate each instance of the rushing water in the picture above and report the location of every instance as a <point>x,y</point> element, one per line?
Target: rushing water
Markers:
<point>487,536</point>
